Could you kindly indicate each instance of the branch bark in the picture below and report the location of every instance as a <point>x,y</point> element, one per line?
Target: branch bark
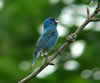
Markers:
<point>95,19</point>
<point>70,39</point>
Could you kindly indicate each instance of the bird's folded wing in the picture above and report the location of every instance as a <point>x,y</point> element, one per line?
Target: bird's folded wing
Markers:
<point>44,38</point>
<point>49,34</point>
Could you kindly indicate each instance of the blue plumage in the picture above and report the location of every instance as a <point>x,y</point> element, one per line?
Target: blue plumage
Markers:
<point>47,40</point>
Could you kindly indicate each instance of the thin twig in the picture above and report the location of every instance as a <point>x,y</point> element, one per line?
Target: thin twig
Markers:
<point>70,39</point>
<point>88,13</point>
<point>95,19</point>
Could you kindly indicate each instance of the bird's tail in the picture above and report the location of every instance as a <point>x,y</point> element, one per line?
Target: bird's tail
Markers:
<point>35,57</point>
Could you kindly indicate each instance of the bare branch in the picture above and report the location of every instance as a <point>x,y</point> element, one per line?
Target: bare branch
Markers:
<point>88,13</point>
<point>99,10</point>
<point>95,19</point>
<point>70,39</point>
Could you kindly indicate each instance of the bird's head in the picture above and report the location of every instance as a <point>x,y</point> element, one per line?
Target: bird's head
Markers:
<point>50,23</point>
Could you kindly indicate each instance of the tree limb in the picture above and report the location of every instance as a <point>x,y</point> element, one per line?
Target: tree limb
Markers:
<point>70,39</point>
<point>95,19</point>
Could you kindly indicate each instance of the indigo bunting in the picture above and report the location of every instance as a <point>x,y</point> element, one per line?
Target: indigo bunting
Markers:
<point>47,40</point>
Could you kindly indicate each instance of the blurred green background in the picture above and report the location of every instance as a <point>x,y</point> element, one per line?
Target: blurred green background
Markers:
<point>20,27</point>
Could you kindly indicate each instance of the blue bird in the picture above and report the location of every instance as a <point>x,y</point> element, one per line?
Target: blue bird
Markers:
<point>47,40</point>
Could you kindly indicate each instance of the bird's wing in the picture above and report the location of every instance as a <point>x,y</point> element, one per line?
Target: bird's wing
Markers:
<point>52,41</point>
<point>44,39</point>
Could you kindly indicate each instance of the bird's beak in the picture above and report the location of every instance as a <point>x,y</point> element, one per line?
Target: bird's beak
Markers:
<point>57,21</point>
